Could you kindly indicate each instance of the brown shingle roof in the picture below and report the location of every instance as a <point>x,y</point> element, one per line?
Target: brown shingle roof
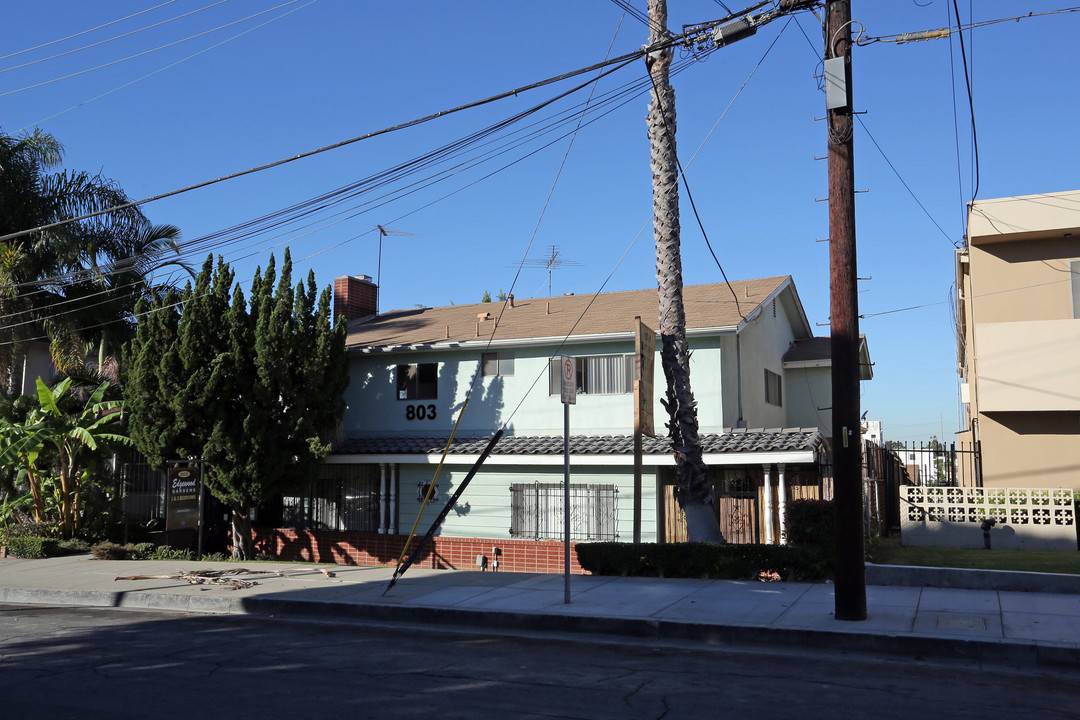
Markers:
<point>706,306</point>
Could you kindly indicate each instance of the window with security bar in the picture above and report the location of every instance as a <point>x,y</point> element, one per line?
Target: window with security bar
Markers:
<point>344,497</point>
<point>537,511</point>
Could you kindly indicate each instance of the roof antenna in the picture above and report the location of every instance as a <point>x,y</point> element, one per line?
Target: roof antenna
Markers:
<point>552,260</point>
<point>384,232</point>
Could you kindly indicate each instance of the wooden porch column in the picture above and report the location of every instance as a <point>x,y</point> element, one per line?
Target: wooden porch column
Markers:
<point>768,506</point>
<point>382,498</point>
<point>781,491</point>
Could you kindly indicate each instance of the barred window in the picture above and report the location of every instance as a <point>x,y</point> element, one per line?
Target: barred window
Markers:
<point>596,375</point>
<point>537,511</point>
<point>343,497</point>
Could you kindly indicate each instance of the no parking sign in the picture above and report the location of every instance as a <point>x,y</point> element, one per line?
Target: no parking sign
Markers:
<point>569,380</point>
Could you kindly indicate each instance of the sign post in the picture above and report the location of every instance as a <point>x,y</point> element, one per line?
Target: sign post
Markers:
<point>569,397</point>
<point>645,351</point>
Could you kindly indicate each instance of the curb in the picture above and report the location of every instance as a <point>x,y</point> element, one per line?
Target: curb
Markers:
<point>998,652</point>
<point>964,579</point>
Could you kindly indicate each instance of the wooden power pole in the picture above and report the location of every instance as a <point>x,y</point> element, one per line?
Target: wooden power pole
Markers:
<point>844,318</point>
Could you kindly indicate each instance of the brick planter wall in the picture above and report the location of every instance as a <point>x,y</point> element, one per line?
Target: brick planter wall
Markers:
<point>355,548</point>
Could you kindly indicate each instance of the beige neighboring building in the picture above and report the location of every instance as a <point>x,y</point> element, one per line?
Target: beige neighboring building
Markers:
<point>1018,334</point>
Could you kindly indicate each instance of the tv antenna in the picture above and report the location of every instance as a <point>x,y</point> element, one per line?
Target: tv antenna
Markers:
<point>385,232</point>
<point>552,260</point>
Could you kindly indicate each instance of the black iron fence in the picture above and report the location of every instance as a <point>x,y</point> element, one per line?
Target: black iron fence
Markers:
<point>886,468</point>
<point>936,464</point>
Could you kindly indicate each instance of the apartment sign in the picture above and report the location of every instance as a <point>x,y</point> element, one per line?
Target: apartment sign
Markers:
<point>183,498</point>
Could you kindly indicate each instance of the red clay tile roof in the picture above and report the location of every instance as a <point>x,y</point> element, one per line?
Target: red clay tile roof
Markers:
<point>706,306</point>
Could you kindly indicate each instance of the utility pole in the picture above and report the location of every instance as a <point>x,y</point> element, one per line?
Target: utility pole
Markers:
<point>844,318</point>
<point>694,489</point>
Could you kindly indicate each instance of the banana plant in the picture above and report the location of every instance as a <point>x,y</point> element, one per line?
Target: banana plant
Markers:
<point>71,436</point>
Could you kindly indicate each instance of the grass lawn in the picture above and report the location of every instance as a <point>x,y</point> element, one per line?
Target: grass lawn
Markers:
<point>1049,561</point>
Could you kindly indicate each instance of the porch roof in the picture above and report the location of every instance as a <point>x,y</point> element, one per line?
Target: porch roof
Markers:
<point>739,446</point>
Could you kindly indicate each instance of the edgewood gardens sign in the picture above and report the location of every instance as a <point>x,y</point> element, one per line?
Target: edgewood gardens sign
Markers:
<point>183,494</point>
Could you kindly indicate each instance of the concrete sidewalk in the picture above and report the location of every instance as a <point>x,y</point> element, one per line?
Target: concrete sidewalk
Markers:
<point>1021,627</point>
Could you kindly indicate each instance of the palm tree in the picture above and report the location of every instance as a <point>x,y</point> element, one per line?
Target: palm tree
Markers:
<point>75,284</point>
<point>694,490</point>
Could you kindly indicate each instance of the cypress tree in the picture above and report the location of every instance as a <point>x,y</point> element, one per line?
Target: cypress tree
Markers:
<point>254,387</point>
<point>149,385</point>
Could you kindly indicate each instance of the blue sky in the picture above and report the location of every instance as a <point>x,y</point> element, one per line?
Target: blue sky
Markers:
<point>303,75</point>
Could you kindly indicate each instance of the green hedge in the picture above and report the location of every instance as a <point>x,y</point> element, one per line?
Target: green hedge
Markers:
<point>702,560</point>
<point>31,540</point>
<point>812,524</point>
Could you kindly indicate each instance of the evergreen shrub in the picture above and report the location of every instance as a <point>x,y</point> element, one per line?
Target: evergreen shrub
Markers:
<point>31,540</point>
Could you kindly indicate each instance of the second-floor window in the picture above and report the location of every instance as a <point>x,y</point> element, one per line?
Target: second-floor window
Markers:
<point>498,364</point>
<point>773,386</point>
<point>596,375</point>
<point>418,381</point>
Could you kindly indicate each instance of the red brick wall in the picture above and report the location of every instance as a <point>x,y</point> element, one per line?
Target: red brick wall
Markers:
<point>354,548</point>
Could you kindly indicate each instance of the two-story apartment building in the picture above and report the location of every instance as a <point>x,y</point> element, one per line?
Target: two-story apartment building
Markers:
<point>1018,332</point>
<point>412,372</point>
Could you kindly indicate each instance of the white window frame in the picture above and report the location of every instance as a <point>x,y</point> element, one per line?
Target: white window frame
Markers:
<point>596,374</point>
<point>497,364</point>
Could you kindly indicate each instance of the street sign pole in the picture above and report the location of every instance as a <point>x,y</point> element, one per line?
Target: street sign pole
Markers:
<point>569,397</point>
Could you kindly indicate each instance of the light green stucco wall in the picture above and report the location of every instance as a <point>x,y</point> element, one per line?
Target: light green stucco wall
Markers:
<point>484,510</point>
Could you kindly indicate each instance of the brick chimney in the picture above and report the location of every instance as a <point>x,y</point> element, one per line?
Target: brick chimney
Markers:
<point>355,297</point>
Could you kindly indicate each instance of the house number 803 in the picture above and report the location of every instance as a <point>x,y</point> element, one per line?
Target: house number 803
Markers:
<point>420,412</point>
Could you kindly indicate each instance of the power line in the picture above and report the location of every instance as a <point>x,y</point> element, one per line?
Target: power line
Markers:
<point>971,104</point>
<point>166,67</point>
<point>882,151</point>
<point>624,60</point>
<point>86,32</point>
<point>109,40</point>
<point>629,90</point>
<point>622,95</point>
<point>939,33</point>
<point>146,52</point>
<point>686,37</point>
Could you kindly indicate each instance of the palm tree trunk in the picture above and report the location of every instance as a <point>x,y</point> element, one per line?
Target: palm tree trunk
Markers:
<point>693,487</point>
<point>243,546</point>
<point>16,369</point>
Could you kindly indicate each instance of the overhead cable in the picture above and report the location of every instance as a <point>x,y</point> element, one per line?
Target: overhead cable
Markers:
<point>623,59</point>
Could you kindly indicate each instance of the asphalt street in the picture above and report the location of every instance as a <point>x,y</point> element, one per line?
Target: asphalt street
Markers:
<point>72,662</point>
